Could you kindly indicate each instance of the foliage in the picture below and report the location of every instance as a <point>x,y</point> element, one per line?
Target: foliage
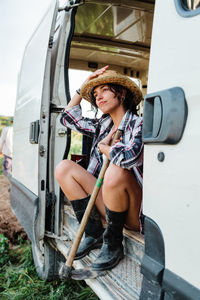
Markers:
<point>76,143</point>
<point>4,121</point>
<point>1,165</point>
<point>4,246</point>
<point>19,280</point>
<point>18,277</point>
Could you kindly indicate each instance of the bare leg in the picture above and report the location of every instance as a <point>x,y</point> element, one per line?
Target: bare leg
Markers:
<point>121,192</point>
<point>77,183</point>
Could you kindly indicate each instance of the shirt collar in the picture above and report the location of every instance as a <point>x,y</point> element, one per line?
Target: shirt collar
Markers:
<point>124,121</point>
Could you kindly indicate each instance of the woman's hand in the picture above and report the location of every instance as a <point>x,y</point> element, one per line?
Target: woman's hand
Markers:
<point>96,73</point>
<point>104,145</point>
<point>107,140</point>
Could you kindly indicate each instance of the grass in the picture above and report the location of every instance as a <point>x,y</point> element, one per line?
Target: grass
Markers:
<point>19,280</point>
<point>18,277</point>
<point>1,165</point>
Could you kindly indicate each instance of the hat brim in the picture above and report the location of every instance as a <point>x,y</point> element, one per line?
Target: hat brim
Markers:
<point>122,80</point>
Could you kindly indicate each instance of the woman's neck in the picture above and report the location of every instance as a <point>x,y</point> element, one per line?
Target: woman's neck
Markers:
<point>117,116</point>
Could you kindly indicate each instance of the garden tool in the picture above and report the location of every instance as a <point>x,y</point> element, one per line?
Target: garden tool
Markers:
<point>66,269</point>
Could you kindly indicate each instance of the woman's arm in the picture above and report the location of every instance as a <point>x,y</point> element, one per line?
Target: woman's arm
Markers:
<point>76,99</point>
<point>127,155</point>
<point>73,119</point>
<point>72,115</point>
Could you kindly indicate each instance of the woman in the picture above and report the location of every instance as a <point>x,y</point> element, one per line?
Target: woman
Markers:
<point>119,200</point>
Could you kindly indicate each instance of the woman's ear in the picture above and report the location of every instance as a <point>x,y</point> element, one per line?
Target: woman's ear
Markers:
<point>123,96</point>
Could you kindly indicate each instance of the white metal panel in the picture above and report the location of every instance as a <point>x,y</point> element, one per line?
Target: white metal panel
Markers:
<point>28,103</point>
<point>172,187</point>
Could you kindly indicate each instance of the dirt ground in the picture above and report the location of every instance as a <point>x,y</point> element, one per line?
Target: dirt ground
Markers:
<point>9,226</point>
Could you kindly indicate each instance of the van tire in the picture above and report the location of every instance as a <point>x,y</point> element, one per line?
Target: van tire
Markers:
<point>47,263</point>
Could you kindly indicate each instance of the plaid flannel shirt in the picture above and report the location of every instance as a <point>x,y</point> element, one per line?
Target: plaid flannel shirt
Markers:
<point>128,153</point>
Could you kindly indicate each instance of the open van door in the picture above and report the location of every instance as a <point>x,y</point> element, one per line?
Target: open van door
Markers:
<point>29,183</point>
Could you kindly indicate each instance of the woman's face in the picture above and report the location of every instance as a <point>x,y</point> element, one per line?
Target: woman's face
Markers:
<point>106,100</point>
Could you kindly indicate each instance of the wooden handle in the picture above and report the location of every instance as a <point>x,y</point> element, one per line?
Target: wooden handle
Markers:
<point>90,205</point>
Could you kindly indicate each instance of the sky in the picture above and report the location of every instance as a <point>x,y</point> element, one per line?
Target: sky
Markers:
<point>18,20</point>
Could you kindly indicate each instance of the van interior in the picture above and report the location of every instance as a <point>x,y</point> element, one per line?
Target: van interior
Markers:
<point>118,34</point>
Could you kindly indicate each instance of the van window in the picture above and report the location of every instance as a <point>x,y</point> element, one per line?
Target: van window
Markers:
<point>114,35</point>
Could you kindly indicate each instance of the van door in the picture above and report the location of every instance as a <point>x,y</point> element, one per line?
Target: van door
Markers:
<point>30,93</point>
<point>171,136</point>
<point>29,182</point>
<point>31,123</point>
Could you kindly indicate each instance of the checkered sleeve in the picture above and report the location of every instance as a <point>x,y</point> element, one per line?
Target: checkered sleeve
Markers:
<point>72,118</point>
<point>126,155</point>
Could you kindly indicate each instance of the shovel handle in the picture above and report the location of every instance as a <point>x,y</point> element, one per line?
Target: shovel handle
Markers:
<point>90,205</point>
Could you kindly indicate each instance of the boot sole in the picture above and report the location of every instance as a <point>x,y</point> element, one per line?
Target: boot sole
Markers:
<point>88,251</point>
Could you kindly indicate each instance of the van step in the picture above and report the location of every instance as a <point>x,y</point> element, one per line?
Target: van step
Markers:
<point>125,280</point>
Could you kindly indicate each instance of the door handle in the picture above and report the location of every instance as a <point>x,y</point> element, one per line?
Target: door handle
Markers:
<point>164,116</point>
<point>34,132</point>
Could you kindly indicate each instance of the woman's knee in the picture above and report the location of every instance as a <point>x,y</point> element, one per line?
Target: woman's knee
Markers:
<point>114,176</point>
<point>62,169</point>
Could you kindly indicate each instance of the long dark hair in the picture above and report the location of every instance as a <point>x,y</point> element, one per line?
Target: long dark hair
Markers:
<point>119,91</point>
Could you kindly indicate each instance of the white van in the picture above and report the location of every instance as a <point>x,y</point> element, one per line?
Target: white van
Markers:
<point>156,42</point>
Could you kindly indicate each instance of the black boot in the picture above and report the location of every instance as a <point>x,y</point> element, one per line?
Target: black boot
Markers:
<point>93,231</point>
<point>112,250</point>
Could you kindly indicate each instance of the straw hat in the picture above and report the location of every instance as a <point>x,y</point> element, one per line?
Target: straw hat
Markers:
<point>111,76</point>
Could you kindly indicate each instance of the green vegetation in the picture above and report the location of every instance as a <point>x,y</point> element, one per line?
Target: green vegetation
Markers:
<point>4,121</point>
<point>19,280</point>
<point>76,143</point>
<point>1,165</point>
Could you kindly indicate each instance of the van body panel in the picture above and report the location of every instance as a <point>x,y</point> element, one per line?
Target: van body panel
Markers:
<point>28,104</point>
<point>25,206</point>
<point>171,188</point>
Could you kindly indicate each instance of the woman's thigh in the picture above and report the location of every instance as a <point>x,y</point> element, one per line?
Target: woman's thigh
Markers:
<point>67,171</point>
<point>124,193</point>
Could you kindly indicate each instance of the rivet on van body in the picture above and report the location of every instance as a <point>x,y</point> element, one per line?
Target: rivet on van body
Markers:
<point>161,156</point>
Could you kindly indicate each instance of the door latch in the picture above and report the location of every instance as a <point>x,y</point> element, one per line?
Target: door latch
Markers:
<point>42,150</point>
<point>62,132</point>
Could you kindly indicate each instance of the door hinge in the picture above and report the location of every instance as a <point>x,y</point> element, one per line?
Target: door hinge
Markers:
<point>68,7</point>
